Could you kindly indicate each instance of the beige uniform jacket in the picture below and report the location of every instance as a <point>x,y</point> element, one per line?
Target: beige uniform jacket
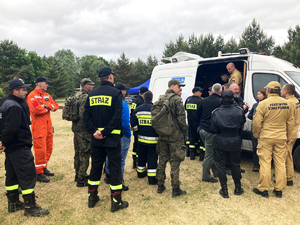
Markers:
<point>273,119</point>
<point>236,77</point>
<point>296,113</point>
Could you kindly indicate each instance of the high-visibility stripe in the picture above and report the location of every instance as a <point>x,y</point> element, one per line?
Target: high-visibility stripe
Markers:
<point>100,100</point>
<point>143,116</point>
<point>151,174</point>
<point>192,146</point>
<point>93,182</point>
<point>40,165</point>
<point>113,132</point>
<point>116,187</point>
<point>26,192</point>
<point>143,113</point>
<point>148,138</point>
<point>187,142</point>
<point>133,153</point>
<point>147,141</point>
<point>141,169</point>
<point>12,188</point>
<point>201,147</point>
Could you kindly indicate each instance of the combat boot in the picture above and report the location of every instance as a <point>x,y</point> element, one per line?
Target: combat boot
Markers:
<point>177,192</point>
<point>48,173</point>
<point>42,178</point>
<point>224,191</point>
<point>14,204</point>
<point>31,208</point>
<point>160,188</point>
<point>192,155</point>
<point>116,202</point>
<point>238,189</point>
<point>82,182</point>
<point>93,197</point>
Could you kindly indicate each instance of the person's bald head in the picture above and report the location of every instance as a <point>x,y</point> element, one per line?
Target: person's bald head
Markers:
<point>235,90</point>
<point>230,67</point>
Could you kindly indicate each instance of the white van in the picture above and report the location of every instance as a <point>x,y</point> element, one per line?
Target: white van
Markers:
<point>257,71</point>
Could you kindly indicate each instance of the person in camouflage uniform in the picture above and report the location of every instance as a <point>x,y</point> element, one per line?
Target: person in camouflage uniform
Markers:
<point>172,148</point>
<point>82,138</point>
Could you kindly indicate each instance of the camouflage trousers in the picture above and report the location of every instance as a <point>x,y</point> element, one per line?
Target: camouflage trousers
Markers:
<point>174,152</point>
<point>82,155</point>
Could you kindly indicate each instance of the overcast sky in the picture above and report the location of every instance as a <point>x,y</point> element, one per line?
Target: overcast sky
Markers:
<point>139,28</point>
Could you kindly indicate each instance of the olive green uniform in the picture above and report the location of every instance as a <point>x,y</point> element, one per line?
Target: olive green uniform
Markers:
<point>172,148</point>
<point>82,138</point>
<point>272,125</point>
<point>295,105</point>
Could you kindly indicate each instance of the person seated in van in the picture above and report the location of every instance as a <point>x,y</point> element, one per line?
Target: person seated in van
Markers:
<point>261,95</point>
<point>235,77</point>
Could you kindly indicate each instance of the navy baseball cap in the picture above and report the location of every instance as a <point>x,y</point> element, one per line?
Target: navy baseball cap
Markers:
<point>227,94</point>
<point>195,89</point>
<point>17,83</point>
<point>41,79</point>
<point>143,89</point>
<point>105,71</point>
<point>121,87</point>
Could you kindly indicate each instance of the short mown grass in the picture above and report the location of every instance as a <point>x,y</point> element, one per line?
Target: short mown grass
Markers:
<point>202,204</point>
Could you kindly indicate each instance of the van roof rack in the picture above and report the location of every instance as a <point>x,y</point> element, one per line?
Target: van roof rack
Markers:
<point>242,51</point>
<point>180,57</point>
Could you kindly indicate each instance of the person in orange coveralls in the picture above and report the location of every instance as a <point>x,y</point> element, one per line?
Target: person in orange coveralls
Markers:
<point>40,104</point>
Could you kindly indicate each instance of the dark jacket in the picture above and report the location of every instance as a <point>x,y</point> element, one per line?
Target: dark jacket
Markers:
<point>14,124</point>
<point>228,121</point>
<point>142,118</point>
<point>240,102</point>
<point>103,111</point>
<point>252,111</point>
<point>191,105</point>
<point>136,103</point>
<point>207,105</point>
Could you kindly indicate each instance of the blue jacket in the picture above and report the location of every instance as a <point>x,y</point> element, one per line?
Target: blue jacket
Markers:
<point>126,119</point>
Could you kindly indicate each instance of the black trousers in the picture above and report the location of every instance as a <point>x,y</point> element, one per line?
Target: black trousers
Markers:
<point>221,157</point>
<point>98,155</point>
<point>135,144</point>
<point>147,155</point>
<point>20,170</point>
<point>254,152</point>
<point>193,135</point>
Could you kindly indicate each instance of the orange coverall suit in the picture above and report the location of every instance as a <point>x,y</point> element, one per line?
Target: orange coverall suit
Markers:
<point>40,104</point>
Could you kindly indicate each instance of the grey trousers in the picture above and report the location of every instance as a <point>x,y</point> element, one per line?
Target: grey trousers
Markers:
<point>208,162</point>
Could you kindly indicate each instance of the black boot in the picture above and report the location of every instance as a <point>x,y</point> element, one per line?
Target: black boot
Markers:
<point>42,178</point>
<point>187,152</point>
<point>82,182</point>
<point>93,197</point>
<point>48,173</point>
<point>192,155</point>
<point>31,208</point>
<point>238,189</point>
<point>224,191</point>
<point>160,188</point>
<point>107,178</point>
<point>116,202</point>
<point>14,204</point>
<point>177,192</point>
<point>152,180</point>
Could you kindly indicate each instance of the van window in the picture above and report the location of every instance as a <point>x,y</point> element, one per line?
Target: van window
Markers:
<point>260,80</point>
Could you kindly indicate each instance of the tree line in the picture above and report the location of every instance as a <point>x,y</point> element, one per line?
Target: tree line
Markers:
<point>65,69</point>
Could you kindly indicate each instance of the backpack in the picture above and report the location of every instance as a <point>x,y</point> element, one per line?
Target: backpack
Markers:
<point>161,116</point>
<point>70,110</point>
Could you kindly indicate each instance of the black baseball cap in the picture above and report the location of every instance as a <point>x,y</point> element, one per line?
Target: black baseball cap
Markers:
<point>41,79</point>
<point>143,89</point>
<point>227,94</point>
<point>121,87</point>
<point>105,71</point>
<point>195,89</point>
<point>17,83</point>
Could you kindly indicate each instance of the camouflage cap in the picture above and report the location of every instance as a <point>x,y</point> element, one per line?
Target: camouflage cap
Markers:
<point>174,82</point>
<point>274,85</point>
<point>85,81</point>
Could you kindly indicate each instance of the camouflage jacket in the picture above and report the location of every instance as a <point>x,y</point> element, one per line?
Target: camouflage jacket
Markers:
<point>178,114</point>
<point>78,126</point>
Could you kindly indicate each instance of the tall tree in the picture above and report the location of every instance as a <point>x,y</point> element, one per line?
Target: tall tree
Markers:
<point>140,72</point>
<point>60,84</point>
<point>255,39</point>
<point>124,71</point>
<point>231,46</point>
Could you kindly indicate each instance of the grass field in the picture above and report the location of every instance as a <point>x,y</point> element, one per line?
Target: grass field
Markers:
<point>202,204</point>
